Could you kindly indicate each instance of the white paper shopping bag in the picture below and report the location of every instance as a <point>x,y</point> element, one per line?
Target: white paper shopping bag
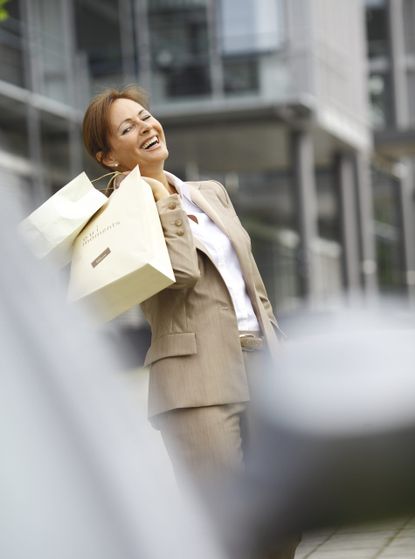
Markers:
<point>51,229</point>
<point>120,258</point>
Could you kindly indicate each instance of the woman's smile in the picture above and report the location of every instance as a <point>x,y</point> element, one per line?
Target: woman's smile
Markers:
<point>151,144</point>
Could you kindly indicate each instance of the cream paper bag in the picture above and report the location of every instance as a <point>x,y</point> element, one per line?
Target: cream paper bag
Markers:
<point>51,229</point>
<point>120,258</point>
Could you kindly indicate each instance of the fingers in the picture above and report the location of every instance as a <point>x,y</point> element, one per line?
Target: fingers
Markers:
<point>157,187</point>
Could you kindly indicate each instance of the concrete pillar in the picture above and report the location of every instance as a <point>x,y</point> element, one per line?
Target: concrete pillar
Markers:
<point>143,43</point>
<point>406,213</point>
<point>215,59</point>
<point>346,181</point>
<point>125,10</point>
<point>398,68</point>
<point>32,82</point>
<point>367,241</point>
<point>305,189</point>
<point>69,33</point>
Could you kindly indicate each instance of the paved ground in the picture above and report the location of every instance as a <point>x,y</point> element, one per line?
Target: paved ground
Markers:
<point>392,540</point>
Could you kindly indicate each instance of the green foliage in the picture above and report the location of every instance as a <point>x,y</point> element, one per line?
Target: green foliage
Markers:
<point>4,14</point>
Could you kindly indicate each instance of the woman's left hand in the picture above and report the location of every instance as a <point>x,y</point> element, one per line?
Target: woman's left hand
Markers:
<point>158,188</point>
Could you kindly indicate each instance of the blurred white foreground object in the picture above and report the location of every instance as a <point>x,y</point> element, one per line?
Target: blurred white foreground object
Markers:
<point>355,376</point>
<point>335,435</point>
<point>78,477</point>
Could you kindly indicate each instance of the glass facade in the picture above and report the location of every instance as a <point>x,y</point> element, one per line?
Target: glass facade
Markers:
<point>380,87</point>
<point>98,45</point>
<point>201,49</point>
<point>408,31</point>
<point>388,232</point>
<point>266,205</point>
<point>250,26</point>
<point>380,95</point>
<point>179,39</point>
<point>377,28</point>
<point>12,68</point>
<point>49,54</point>
<point>328,204</point>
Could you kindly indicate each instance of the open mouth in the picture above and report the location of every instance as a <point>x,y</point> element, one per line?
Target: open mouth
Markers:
<point>151,143</point>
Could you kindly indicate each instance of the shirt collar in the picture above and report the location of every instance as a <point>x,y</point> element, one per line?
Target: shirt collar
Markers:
<point>181,187</point>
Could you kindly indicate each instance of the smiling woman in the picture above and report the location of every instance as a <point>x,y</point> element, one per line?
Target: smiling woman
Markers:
<point>213,331</point>
<point>120,132</point>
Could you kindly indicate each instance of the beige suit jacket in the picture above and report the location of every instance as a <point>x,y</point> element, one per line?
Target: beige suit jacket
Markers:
<point>195,355</point>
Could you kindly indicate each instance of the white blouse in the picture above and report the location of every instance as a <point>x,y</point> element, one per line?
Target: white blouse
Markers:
<point>223,255</point>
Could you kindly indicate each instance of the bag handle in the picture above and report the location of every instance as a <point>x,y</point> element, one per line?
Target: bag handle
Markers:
<point>110,187</point>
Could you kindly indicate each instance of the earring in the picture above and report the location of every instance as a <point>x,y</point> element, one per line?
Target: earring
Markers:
<point>115,165</point>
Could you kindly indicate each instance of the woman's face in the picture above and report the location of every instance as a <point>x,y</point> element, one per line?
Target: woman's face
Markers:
<point>135,137</point>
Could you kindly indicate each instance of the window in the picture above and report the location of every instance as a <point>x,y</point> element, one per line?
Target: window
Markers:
<point>180,51</point>
<point>98,41</point>
<point>380,99</point>
<point>11,47</point>
<point>250,26</point>
<point>388,232</point>
<point>377,28</point>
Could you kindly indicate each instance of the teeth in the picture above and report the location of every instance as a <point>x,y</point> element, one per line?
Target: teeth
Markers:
<point>149,142</point>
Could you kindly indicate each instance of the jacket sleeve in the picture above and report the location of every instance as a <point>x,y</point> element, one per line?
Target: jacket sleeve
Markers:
<point>179,240</point>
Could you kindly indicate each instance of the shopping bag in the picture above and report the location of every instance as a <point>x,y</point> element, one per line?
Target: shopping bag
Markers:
<point>51,229</point>
<point>120,258</point>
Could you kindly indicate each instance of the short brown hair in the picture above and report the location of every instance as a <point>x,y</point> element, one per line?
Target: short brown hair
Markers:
<point>95,125</point>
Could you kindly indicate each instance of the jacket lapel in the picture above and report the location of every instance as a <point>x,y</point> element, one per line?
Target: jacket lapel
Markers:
<point>198,199</point>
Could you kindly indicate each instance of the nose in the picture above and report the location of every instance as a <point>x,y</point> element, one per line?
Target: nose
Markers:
<point>144,127</point>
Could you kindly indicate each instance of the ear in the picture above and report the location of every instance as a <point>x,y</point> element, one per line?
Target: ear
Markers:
<point>106,159</point>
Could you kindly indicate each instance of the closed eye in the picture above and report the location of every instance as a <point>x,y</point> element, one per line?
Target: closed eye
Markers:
<point>146,117</point>
<point>126,130</point>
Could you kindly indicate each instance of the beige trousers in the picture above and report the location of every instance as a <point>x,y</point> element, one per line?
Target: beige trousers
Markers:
<point>208,441</point>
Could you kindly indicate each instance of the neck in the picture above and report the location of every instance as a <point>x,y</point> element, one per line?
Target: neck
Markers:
<point>160,176</point>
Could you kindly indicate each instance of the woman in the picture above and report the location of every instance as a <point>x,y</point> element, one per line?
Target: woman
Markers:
<point>213,327</point>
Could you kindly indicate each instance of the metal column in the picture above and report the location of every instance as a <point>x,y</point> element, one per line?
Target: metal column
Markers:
<point>305,187</point>
<point>348,221</point>
<point>366,223</point>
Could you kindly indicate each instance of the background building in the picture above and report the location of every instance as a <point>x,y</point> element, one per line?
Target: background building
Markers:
<point>302,108</point>
<point>391,51</point>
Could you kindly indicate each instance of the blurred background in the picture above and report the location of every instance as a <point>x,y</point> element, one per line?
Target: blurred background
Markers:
<point>304,109</point>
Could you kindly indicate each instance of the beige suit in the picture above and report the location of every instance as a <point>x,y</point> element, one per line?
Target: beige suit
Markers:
<point>195,355</point>
<point>200,378</point>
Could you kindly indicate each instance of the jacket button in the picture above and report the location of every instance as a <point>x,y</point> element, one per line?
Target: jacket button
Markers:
<point>172,205</point>
<point>180,232</point>
<point>178,222</point>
